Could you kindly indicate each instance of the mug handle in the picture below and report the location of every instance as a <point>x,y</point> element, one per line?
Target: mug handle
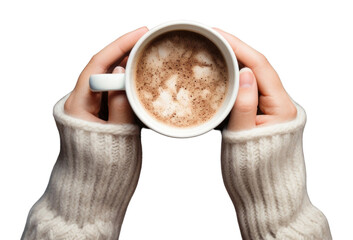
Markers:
<point>107,82</point>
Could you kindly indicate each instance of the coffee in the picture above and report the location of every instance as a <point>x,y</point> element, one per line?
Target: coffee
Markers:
<point>181,78</point>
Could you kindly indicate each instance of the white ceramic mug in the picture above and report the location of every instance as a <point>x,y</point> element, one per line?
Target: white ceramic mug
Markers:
<point>125,81</point>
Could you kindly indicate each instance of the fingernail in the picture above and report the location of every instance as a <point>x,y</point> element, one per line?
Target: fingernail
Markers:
<point>118,69</point>
<point>246,78</point>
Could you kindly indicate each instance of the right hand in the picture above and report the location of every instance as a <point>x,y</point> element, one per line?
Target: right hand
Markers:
<point>259,87</point>
<point>85,104</point>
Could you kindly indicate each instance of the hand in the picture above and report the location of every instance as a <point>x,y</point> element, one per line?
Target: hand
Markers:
<point>85,104</point>
<point>260,89</point>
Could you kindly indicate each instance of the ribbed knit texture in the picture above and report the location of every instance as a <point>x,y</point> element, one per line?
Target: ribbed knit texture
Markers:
<point>264,173</point>
<point>91,184</point>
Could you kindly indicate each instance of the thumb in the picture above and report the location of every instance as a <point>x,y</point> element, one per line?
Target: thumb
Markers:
<point>120,111</point>
<point>243,114</point>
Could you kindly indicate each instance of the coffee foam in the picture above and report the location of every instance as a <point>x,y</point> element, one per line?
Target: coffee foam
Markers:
<point>181,78</point>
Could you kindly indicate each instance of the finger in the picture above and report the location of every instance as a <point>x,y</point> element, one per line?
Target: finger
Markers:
<point>117,49</point>
<point>124,62</point>
<point>287,111</point>
<point>267,79</point>
<point>109,55</point>
<point>120,111</point>
<point>243,115</point>
<point>262,120</point>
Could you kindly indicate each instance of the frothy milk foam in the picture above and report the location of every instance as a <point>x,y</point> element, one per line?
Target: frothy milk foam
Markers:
<point>181,78</point>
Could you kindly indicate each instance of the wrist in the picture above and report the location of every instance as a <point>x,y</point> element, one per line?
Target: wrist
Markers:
<point>268,130</point>
<point>92,182</point>
<point>264,173</point>
<point>69,120</point>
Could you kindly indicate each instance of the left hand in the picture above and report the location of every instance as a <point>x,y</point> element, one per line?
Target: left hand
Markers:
<point>85,104</point>
<point>259,87</point>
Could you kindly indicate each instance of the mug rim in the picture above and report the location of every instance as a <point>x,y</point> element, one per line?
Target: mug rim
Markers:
<point>146,117</point>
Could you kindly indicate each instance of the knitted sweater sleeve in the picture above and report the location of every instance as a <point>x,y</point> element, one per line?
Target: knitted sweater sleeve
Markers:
<point>91,184</point>
<point>264,173</point>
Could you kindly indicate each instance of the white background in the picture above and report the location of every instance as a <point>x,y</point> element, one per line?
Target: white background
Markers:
<point>180,195</point>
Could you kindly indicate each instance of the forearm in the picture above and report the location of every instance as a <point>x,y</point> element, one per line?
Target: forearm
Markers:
<point>264,173</point>
<point>91,183</point>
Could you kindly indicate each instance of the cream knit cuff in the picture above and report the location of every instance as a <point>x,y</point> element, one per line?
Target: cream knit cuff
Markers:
<point>92,181</point>
<point>115,129</point>
<point>264,173</point>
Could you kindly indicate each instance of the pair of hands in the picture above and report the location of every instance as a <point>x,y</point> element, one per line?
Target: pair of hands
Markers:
<point>259,87</point>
